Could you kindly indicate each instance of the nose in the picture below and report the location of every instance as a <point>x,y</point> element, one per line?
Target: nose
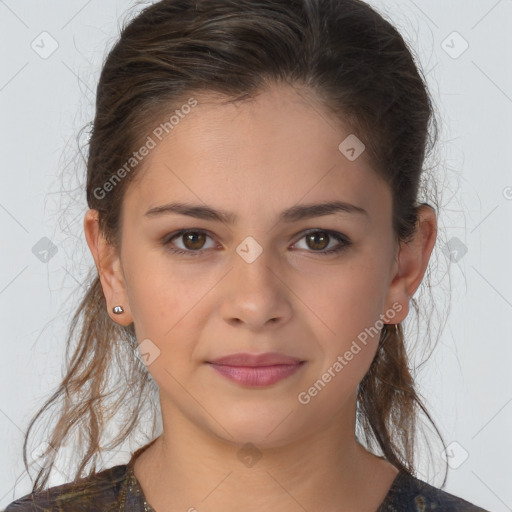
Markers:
<point>255,294</point>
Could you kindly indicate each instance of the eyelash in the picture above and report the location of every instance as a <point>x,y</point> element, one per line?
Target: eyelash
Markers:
<point>344,241</point>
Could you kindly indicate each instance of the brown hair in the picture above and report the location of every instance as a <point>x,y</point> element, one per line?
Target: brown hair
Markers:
<point>341,51</point>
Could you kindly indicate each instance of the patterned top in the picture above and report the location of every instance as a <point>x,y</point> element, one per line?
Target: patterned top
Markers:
<point>117,490</point>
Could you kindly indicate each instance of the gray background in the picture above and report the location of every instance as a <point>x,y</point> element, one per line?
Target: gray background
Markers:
<point>47,84</point>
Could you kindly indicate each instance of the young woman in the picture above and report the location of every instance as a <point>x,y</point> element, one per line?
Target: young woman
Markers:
<point>253,180</point>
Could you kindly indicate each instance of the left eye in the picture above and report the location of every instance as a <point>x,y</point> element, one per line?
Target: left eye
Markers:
<point>318,240</point>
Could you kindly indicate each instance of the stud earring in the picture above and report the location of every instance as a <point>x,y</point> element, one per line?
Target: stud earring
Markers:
<point>118,310</point>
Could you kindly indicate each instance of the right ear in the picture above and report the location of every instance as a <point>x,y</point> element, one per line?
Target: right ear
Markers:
<point>109,268</point>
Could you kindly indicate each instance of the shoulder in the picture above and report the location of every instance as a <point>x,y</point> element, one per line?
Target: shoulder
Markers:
<point>411,494</point>
<point>96,492</point>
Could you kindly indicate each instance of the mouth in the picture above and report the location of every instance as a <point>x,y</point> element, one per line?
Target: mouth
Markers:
<point>256,370</point>
<point>253,360</point>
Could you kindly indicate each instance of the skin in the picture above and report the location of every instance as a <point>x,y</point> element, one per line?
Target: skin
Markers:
<point>255,159</point>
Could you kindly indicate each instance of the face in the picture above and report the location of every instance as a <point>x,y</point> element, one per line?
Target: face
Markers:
<point>270,276</point>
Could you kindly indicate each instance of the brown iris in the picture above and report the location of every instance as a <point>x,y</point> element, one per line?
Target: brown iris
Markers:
<point>317,238</point>
<point>194,240</point>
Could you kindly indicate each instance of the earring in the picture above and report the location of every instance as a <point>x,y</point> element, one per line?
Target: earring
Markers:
<point>118,310</point>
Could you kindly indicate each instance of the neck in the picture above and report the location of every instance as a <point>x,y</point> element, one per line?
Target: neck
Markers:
<point>187,468</point>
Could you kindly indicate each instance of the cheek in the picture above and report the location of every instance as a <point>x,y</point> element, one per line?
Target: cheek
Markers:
<point>158,292</point>
<point>349,307</point>
<point>168,304</point>
<point>345,310</point>
<point>348,298</point>
<point>160,307</point>
<point>151,303</point>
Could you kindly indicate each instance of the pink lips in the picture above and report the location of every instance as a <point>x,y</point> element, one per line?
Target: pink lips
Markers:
<point>256,369</point>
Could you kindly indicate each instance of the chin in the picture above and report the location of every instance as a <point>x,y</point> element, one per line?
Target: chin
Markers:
<point>272,428</point>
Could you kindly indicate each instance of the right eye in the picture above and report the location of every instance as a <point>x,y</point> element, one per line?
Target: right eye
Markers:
<point>193,241</point>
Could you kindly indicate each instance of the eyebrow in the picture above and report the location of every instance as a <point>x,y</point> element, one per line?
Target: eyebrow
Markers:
<point>293,214</point>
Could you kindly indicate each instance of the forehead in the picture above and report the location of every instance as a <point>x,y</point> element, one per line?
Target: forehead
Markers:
<point>280,147</point>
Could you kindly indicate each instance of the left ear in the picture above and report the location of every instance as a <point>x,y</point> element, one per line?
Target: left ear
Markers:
<point>412,261</point>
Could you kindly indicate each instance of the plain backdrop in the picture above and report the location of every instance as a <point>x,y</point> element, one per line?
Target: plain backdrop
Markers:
<point>51,58</point>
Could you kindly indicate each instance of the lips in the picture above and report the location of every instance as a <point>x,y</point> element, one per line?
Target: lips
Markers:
<point>256,370</point>
<point>254,360</point>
